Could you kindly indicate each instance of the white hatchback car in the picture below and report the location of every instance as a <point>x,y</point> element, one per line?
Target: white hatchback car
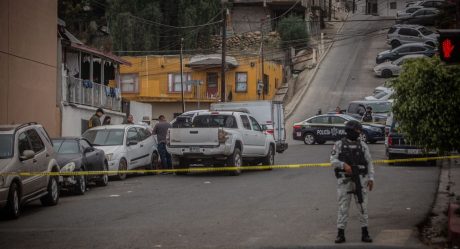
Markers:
<point>393,68</point>
<point>126,146</point>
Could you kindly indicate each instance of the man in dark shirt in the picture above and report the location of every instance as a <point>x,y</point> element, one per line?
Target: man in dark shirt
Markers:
<point>95,120</point>
<point>161,130</point>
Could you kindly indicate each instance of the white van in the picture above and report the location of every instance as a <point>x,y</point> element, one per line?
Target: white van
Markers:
<point>269,114</point>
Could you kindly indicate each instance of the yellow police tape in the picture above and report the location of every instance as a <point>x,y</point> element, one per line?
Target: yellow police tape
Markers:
<point>218,169</point>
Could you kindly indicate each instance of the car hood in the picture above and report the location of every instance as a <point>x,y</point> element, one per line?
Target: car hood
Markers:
<point>63,159</point>
<point>370,98</point>
<point>110,149</point>
<point>384,65</point>
<point>386,52</point>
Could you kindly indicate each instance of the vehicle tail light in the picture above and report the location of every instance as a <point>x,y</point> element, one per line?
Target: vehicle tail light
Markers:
<point>297,127</point>
<point>390,140</point>
<point>222,136</point>
<point>387,131</point>
<point>270,131</point>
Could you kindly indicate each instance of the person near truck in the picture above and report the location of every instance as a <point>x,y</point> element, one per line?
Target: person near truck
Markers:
<point>161,130</point>
<point>95,120</point>
<point>352,163</point>
<point>368,115</point>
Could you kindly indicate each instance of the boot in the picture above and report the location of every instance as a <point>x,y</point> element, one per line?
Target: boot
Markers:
<point>365,235</point>
<point>340,236</point>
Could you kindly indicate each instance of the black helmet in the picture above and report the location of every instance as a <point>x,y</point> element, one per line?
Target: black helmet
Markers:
<point>353,125</point>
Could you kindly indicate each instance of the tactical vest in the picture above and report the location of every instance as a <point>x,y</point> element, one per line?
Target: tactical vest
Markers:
<point>367,117</point>
<point>352,153</point>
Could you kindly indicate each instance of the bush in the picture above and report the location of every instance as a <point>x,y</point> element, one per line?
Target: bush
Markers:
<point>293,32</point>
<point>427,101</point>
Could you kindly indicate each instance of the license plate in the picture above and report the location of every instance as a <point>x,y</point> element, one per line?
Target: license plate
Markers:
<point>195,149</point>
<point>299,134</point>
<point>413,151</point>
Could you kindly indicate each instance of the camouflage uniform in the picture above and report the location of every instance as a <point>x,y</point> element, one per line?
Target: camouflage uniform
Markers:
<point>345,186</point>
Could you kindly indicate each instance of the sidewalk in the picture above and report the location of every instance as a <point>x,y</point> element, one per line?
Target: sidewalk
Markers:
<point>442,228</point>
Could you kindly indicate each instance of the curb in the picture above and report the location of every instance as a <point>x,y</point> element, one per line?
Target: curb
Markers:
<point>305,88</point>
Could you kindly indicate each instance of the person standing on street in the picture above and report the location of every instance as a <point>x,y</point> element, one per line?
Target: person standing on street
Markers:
<point>161,130</point>
<point>368,115</point>
<point>130,119</point>
<point>95,120</point>
<point>352,163</point>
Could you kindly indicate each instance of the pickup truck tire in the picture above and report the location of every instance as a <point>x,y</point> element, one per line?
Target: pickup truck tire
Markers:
<point>235,160</point>
<point>269,159</point>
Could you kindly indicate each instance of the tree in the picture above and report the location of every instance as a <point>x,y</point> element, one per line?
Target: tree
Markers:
<point>293,31</point>
<point>427,101</point>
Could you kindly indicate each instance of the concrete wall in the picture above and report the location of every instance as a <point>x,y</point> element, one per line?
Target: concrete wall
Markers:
<point>139,110</point>
<point>73,115</point>
<point>385,10</point>
<point>28,58</point>
<point>168,109</point>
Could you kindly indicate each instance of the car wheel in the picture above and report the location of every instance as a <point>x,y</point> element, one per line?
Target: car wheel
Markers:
<point>269,159</point>
<point>122,166</point>
<point>395,44</point>
<point>154,163</point>
<point>309,138</point>
<point>386,73</point>
<point>80,187</point>
<point>363,137</point>
<point>52,197</point>
<point>13,204</point>
<point>104,179</point>
<point>235,160</point>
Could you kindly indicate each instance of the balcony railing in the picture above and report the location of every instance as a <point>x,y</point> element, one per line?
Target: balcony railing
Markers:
<point>85,92</point>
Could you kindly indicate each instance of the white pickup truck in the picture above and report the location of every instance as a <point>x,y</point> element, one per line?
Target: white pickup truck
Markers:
<point>221,139</point>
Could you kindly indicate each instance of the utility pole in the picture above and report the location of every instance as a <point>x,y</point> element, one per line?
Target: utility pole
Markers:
<point>262,58</point>
<point>354,6</point>
<point>330,10</point>
<point>223,95</point>
<point>182,73</point>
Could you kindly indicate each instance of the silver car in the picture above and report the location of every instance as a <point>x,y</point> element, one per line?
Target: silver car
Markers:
<point>407,11</point>
<point>393,68</point>
<point>405,33</point>
<point>26,148</point>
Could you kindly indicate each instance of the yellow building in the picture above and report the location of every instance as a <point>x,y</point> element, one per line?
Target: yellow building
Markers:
<point>157,80</point>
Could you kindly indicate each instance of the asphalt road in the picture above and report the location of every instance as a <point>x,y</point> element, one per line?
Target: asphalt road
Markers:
<point>290,208</point>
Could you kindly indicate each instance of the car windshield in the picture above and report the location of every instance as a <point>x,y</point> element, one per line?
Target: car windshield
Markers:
<point>380,107</point>
<point>381,95</point>
<point>109,137</point>
<point>66,146</point>
<point>214,121</point>
<point>425,31</point>
<point>6,146</point>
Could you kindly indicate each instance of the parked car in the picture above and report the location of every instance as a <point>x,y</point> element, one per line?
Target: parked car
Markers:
<point>126,147</point>
<point>331,127</point>
<point>26,148</point>
<point>383,95</point>
<point>75,155</point>
<point>405,49</point>
<point>383,88</point>
<point>269,114</point>
<point>380,109</point>
<point>430,3</point>
<point>393,68</point>
<point>397,146</point>
<point>221,138</point>
<point>425,16</point>
<point>406,33</point>
<point>407,11</point>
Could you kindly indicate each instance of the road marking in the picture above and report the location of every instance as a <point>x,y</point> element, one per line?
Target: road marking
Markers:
<point>114,195</point>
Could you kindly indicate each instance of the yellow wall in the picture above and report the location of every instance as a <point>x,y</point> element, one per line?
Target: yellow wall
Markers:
<point>153,79</point>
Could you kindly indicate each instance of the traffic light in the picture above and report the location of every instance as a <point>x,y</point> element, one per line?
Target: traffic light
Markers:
<point>449,45</point>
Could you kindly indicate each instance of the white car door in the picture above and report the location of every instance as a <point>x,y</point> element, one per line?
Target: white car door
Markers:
<point>248,143</point>
<point>146,145</point>
<point>133,148</point>
<point>258,136</point>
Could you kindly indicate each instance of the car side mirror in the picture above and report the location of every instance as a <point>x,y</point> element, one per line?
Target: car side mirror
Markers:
<point>88,150</point>
<point>132,142</point>
<point>27,154</point>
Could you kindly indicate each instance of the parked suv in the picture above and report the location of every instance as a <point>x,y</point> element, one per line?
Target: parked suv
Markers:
<point>425,16</point>
<point>26,148</point>
<point>404,33</point>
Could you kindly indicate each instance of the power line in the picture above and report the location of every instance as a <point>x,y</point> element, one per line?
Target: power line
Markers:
<point>171,26</point>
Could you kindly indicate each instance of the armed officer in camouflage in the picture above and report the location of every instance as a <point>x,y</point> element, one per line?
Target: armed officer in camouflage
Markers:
<point>354,170</point>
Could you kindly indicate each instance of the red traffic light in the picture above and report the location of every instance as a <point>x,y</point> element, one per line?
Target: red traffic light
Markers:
<point>449,45</point>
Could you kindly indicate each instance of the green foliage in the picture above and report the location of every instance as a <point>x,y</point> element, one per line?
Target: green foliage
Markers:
<point>427,102</point>
<point>143,33</point>
<point>293,31</point>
